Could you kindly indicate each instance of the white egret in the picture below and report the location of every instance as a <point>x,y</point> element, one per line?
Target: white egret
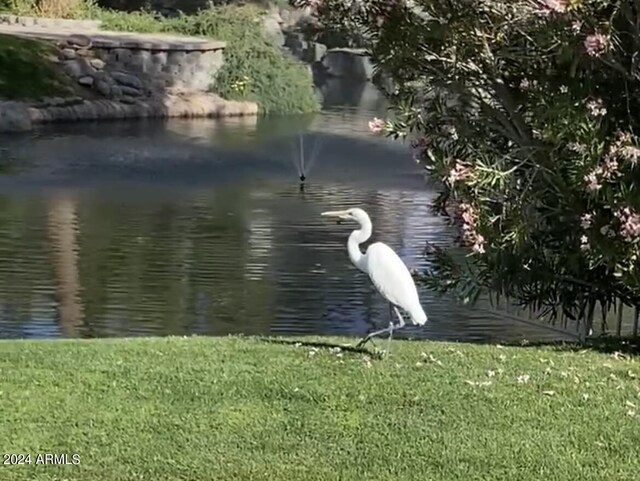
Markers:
<point>385,269</point>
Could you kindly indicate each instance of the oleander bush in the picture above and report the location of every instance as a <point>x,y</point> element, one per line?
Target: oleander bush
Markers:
<point>527,114</point>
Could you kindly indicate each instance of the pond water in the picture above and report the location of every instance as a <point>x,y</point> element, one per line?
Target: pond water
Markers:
<point>201,227</point>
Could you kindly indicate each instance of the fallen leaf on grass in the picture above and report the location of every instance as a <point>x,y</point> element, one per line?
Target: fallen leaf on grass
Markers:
<point>367,361</point>
<point>478,383</point>
<point>430,358</point>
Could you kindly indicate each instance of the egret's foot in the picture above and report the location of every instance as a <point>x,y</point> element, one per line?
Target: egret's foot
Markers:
<point>369,337</point>
<point>363,341</point>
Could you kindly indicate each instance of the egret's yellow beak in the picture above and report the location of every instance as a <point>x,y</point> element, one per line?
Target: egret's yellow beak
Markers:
<point>340,214</point>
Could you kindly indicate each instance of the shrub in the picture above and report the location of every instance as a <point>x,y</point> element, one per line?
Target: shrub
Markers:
<point>49,8</point>
<point>254,69</point>
<point>526,112</point>
<point>26,69</point>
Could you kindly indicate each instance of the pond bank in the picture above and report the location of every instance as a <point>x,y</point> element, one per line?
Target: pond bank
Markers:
<point>160,408</point>
<point>93,74</point>
<point>22,116</point>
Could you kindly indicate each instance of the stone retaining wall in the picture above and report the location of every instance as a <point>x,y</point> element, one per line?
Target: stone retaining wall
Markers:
<point>159,64</point>
<point>91,55</point>
<point>124,76</point>
<point>170,67</point>
<point>21,117</point>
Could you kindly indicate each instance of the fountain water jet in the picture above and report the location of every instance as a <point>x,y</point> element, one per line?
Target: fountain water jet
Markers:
<point>302,167</point>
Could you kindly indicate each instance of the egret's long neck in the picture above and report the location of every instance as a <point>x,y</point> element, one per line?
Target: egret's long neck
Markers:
<point>356,238</point>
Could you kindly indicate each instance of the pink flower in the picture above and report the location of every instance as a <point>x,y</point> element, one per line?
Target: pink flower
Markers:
<point>576,27</point>
<point>470,235</point>
<point>629,224</point>
<point>610,168</point>
<point>524,84</point>
<point>584,243</point>
<point>469,216</point>
<point>461,172</point>
<point>593,184</point>
<point>552,6</point>
<point>478,245</point>
<point>586,220</point>
<point>596,108</point>
<point>624,138</point>
<point>623,148</point>
<point>630,153</point>
<point>377,125</point>
<point>596,44</point>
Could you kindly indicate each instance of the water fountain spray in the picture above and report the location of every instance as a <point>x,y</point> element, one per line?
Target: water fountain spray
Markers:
<point>302,176</point>
<point>302,168</point>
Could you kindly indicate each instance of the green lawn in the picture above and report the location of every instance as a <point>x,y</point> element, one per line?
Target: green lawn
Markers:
<point>27,70</point>
<point>244,409</point>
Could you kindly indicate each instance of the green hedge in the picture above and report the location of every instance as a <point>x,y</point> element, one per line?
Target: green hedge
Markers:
<point>26,70</point>
<point>254,69</point>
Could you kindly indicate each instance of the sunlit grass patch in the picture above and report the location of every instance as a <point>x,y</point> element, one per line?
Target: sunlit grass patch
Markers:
<point>242,408</point>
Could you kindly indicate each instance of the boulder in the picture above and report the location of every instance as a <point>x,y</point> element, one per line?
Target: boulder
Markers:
<point>127,80</point>
<point>315,52</point>
<point>130,91</point>
<point>76,40</point>
<point>97,63</point>
<point>350,63</point>
<point>68,53</point>
<point>86,81</point>
<point>14,117</point>
<point>103,87</point>
<point>272,29</point>
<point>78,67</point>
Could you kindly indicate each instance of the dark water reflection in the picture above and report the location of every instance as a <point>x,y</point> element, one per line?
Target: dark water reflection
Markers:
<point>129,229</point>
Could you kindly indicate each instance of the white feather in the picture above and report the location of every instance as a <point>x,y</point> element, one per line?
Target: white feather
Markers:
<point>393,280</point>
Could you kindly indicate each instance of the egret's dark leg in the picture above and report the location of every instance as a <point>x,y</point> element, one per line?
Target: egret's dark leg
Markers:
<point>388,330</point>
<point>373,334</point>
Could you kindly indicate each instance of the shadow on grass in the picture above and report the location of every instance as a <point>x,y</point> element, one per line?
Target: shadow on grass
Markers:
<point>608,345</point>
<point>323,345</point>
<point>604,344</point>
